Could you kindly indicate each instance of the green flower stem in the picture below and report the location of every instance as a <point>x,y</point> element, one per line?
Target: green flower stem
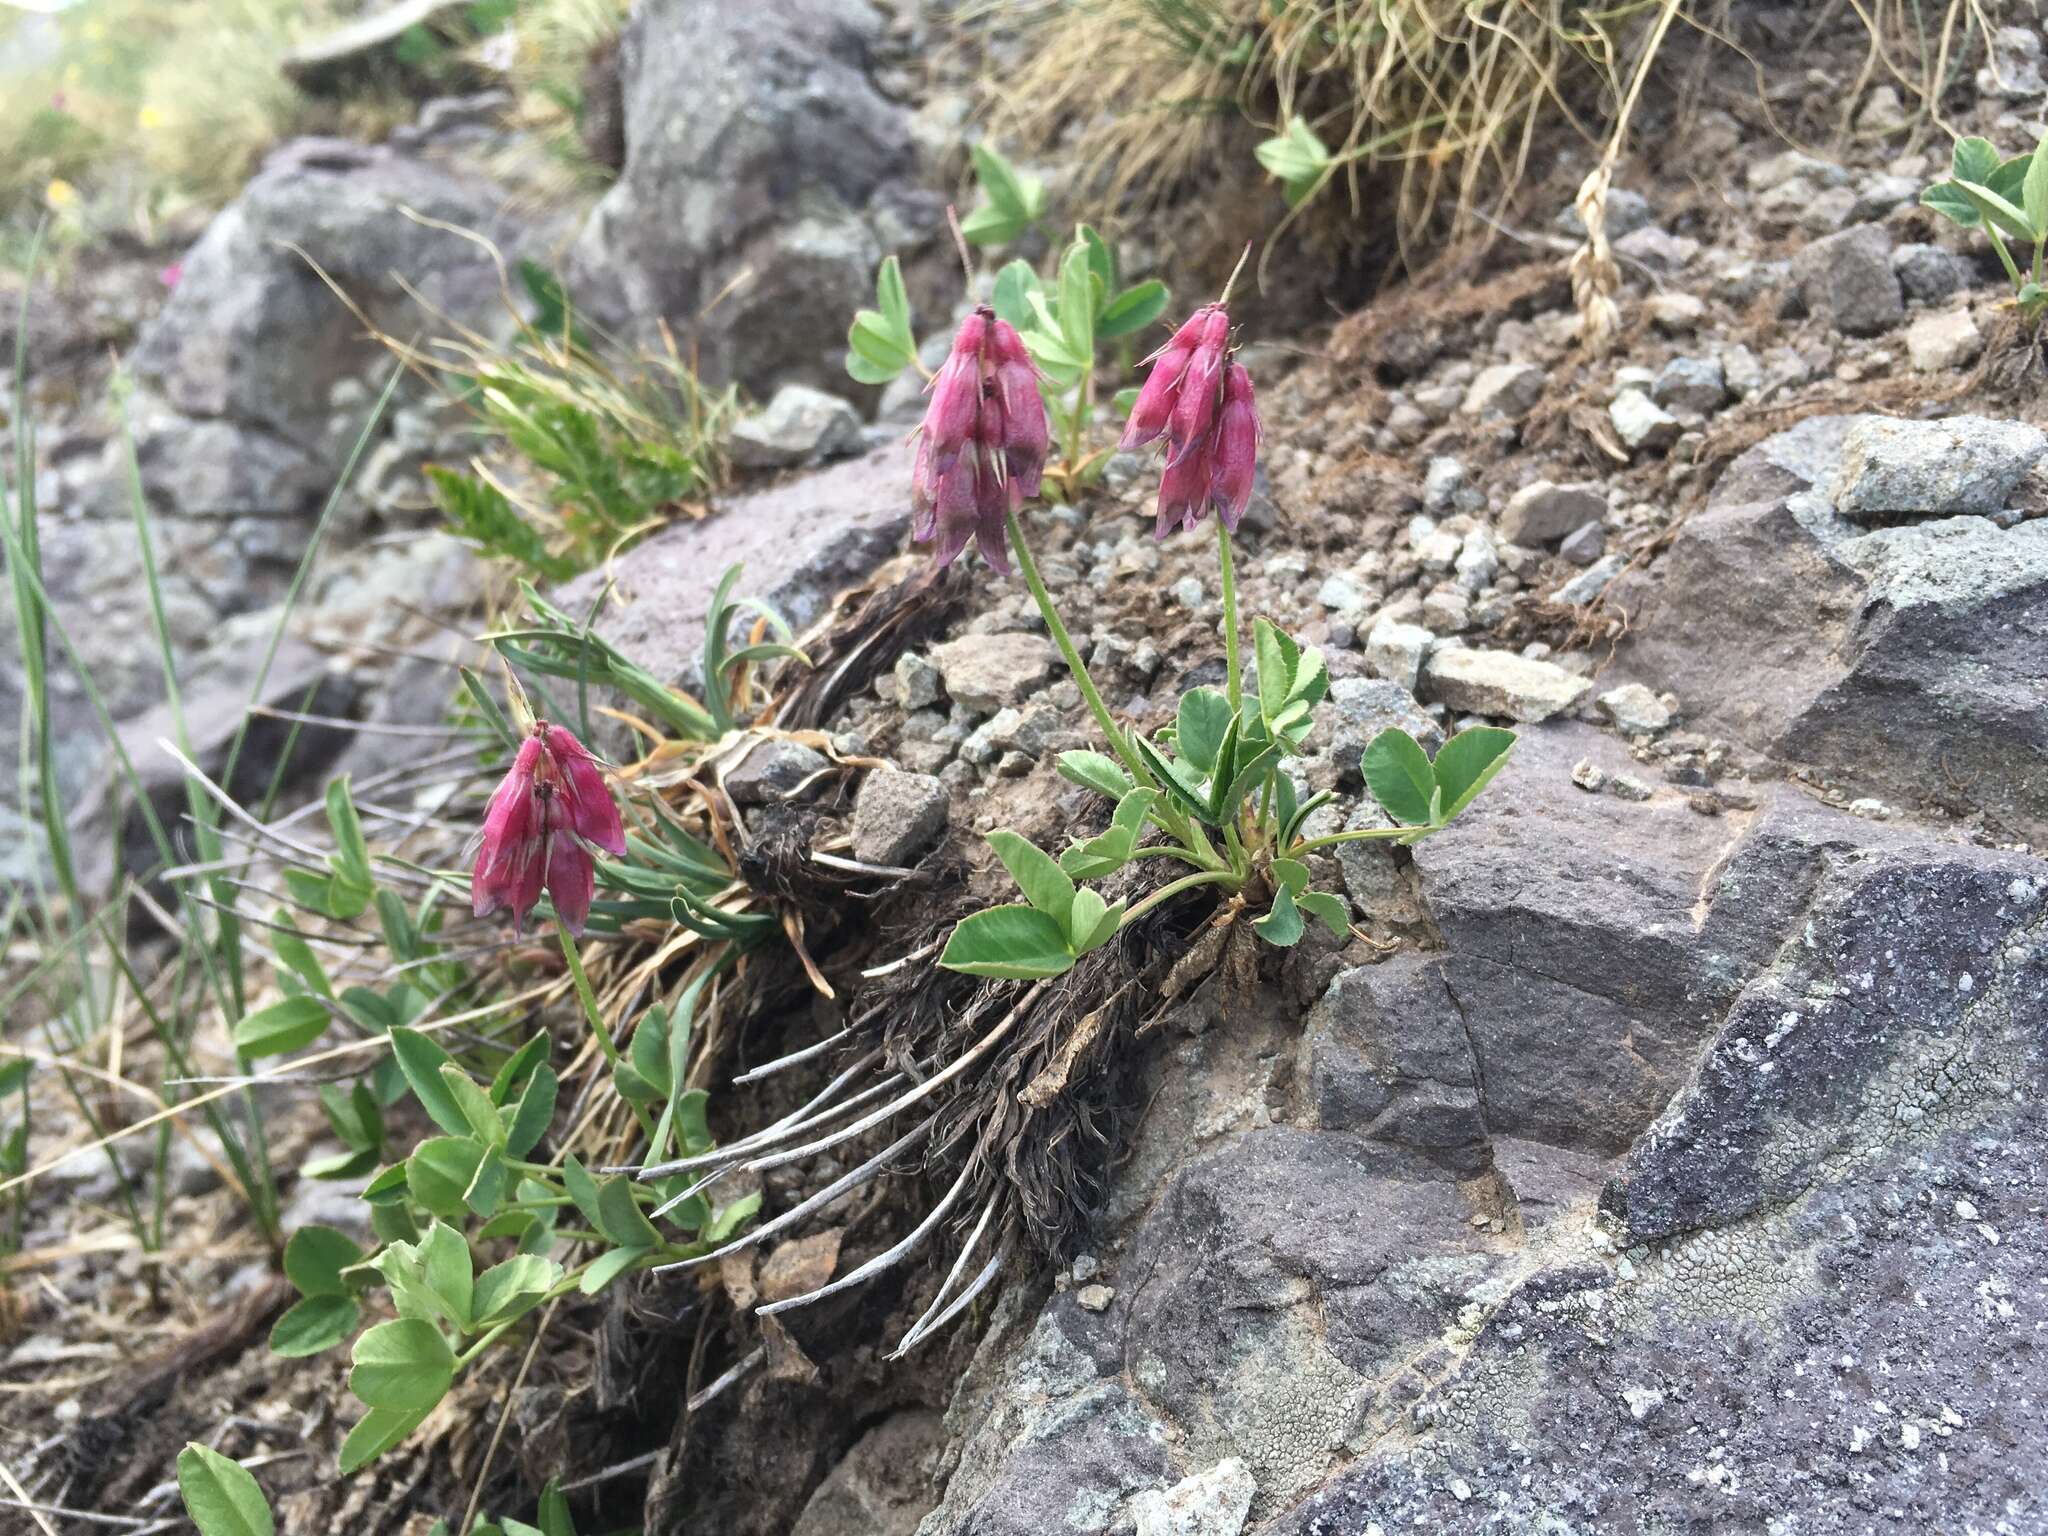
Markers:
<point>1173,888</point>
<point>1029,568</point>
<point>1234,680</point>
<point>482,1344</point>
<point>1364,835</point>
<point>604,1036</point>
<point>2004,255</point>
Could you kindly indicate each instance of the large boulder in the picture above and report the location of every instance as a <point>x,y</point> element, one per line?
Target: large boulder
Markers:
<point>254,353</point>
<point>1908,660</point>
<point>742,217</point>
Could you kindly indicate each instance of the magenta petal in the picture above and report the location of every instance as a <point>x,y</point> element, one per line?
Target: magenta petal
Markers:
<point>571,880</point>
<point>1155,400</point>
<point>593,814</point>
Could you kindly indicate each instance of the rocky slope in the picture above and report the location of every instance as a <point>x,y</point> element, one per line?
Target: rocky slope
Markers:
<point>1665,1151</point>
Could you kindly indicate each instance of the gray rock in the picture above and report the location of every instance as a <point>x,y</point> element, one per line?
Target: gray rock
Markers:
<point>1928,274</point>
<point>800,542</point>
<point>1584,544</point>
<point>1962,464</point>
<point>801,425</point>
<point>1395,651</point>
<point>757,193</point>
<point>1625,212</point>
<point>1635,710</point>
<point>1691,387</point>
<point>1358,709</point>
<point>1900,661</point>
<point>1939,342</point>
<point>879,1487</point>
<point>1593,581</point>
<point>985,672</point>
<point>1542,512</point>
<point>1505,389</point>
<point>2014,69</point>
<point>773,770</point>
<point>1500,684</point>
<point>897,816</point>
<point>1676,314</point>
<point>1211,1503</point>
<point>1642,424</point>
<point>918,684</point>
<point>1441,483</point>
<point>1847,280</point>
<point>1386,1056</point>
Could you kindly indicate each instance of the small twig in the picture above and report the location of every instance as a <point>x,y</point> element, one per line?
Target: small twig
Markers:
<point>21,1493</point>
<point>960,245</point>
<point>483,1472</point>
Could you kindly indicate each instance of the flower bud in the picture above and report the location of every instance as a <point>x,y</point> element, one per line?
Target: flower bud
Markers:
<point>1155,399</point>
<point>1183,490</point>
<point>983,443</point>
<point>549,810</point>
<point>1026,437</point>
<point>1195,405</point>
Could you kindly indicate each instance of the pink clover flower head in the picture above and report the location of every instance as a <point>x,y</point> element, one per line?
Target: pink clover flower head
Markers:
<point>546,815</point>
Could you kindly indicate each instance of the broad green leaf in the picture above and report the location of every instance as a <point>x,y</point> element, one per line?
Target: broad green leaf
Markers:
<point>730,1218</point>
<point>1086,913</point>
<point>404,1365</point>
<point>1015,284</point>
<point>554,1512</point>
<point>1329,909</point>
<point>1996,209</point>
<point>1467,763</point>
<point>1132,310</point>
<point>1044,884</point>
<point>1101,259</point>
<point>479,1114</point>
<point>862,371</point>
<point>1949,200</point>
<point>519,1067</point>
<point>314,1258</point>
<point>1282,925</point>
<point>1096,771</point>
<point>283,1026</point>
<point>351,856</point>
<point>441,1171</point>
<point>370,1009</point>
<point>1014,943</point>
<point>2034,188</point>
<point>1297,158</point>
<point>1106,925</point>
<point>1291,873</point>
<point>619,1216</point>
<point>1397,772</point>
<point>1974,159</point>
<point>649,1052</point>
<point>990,225</point>
<point>608,1267</point>
<point>892,297</point>
<point>582,1189</point>
<point>1278,658</point>
<point>221,1495</point>
<point>421,1060</point>
<point>1183,782</point>
<point>1199,729</point>
<point>298,955</point>
<point>314,1323</point>
<point>693,1129</point>
<point>487,1186</point>
<point>2009,181</point>
<point>535,1112</point>
<point>871,338</point>
<point>375,1433</point>
<point>1078,289</point>
<point>507,1290</point>
<point>446,1270</point>
<point>1099,856</point>
<point>1132,809</point>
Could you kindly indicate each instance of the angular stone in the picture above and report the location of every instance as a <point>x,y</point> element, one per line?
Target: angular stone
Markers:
<point>1505,389</point>
<point>1584,544</point>
<point>1961,464</point>
<point>1847,280</point>
<point>1634,709</point>
<point>1901,661</point>
<point>1395,651</point>
<point>1928,274</point>
<point>897,816</point>
<point>1592,581</point>
<point>1500,684</point>
<point>1385,1056</point>
<point>1919,994</point>
<point>1943,341</point>
<point>1643,424</point>
<point>773,770</point>
<point>986,672</point>
<point>1358,709</point>
<point>800,542</point>
<point>1692,387</point>
<point>801,425</point>
<point>1211,1503</point>
<point>758,195</point>
<point>1542,512</point>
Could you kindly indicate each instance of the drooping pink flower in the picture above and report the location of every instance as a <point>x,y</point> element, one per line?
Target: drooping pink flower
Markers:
<point>547,813</point>
<point>1202,403</point>
<point>171,275</point>
<point>982,445</point>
